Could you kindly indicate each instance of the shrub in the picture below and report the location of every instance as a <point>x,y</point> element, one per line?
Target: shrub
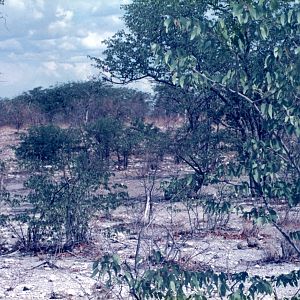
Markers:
<point>66,177</point>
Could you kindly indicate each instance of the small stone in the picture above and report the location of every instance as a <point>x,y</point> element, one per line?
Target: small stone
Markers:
<point>242,245</point>
<point>57,295</point>
<point>72,292</point>
<point>81,294</point>
<point>252,242</point>
<point>52,278</point>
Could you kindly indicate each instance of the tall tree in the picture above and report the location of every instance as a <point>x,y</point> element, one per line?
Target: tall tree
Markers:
<point>243,54</point>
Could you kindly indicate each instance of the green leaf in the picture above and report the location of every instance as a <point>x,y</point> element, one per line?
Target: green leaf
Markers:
<point>263,31</point>
<point>295,235</point>
<point>167,24</point>
<point>270,110</point>
<point>290,13</point>
<point>283,19</point>
<point>195,32</point>
<point>181,81</point>
<point>263,108</point>
<point>167,56</point>
<point>253,12</point>
<point>256,176</point>
<point>116,259</point>
<point>174,78</point>
<point>223,289</point>
<point>267,61</point>
<point>222,23</point>
<point>260,221</point>
<point>274,4</point>
<point>277,52</point>
<point>172,286</point>
<point>269,79</point>
<point>237,11</point>
<point>273,215</point>
<point>241,45</point>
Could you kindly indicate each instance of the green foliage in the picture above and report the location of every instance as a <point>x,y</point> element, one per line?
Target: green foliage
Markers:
<point>253,68</point>
<point>167,280</point>
<point>45,145</point>
<point>63,188</point>
<point>59,213</point>
<point>105,132</point>
<point>179,188</point>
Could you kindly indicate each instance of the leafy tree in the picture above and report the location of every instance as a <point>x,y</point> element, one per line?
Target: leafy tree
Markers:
<point>243,56</point>
<point>260,77</point>
<point>127,144</point>
<point>83,102</point>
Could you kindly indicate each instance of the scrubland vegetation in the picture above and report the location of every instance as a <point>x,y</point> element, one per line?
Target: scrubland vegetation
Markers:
<point>226,108</point>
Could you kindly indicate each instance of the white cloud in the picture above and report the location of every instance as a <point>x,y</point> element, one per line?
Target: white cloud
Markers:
<point>36,14</point>
<point>67,46</point>
<point>65,18</point>
<point>66,15</point>
<point>39,3</point>
<point>92,40</point>
<point>50,65</point>
<point>10,45</point>
<point>16,4</point>
<point>116,19</point>
<point>144,85</point>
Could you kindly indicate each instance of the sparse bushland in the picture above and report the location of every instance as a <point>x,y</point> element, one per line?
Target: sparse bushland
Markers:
<point>231,71</point>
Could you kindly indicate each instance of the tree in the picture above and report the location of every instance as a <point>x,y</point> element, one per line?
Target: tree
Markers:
<point>245,56</point>
<point>257,75</point>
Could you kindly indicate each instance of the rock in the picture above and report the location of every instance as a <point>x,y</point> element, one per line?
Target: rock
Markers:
<point>52,278</point>
<point>80,294</point>
<point>24,288</point>
<point>57,295</point>
<point>252,242</point>
<point>242,245</point>
<point>72,292</point>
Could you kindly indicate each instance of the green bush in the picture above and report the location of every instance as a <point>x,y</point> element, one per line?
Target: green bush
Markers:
<point>63,188</point>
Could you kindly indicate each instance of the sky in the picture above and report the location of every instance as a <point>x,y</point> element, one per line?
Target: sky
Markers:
<point>45,42</point>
